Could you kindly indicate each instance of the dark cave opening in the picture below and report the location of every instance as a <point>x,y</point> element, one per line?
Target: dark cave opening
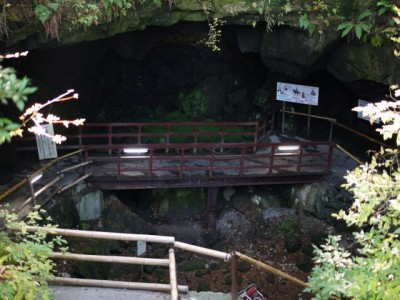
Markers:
<point>167,74</point>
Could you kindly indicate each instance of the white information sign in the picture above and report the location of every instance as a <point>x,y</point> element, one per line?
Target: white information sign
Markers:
<point>363,103</point>
<point>297,93</point>
<point>141,248</point>
<point>46,147</point>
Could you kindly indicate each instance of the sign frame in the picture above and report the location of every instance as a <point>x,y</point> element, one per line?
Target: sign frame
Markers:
<point>46,146</point>
<point>302,94</point>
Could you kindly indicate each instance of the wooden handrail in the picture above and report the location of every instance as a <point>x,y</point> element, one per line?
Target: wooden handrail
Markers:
<point>173,287</point>
<point>271,269</point>
<point>24,181</point>
<point>117,284</point>
<point>113,259</point>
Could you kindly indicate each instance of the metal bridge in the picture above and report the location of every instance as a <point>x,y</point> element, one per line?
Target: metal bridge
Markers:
<point>193,154</point>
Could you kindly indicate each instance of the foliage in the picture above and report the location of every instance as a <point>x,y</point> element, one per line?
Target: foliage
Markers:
<point>214,34</point>
<point>82,13</point>
<point>12,90</point>
<point>33,114</point>
<point>376,25</point>
<point>318,15</point>
<point>361,25</point>
<point>115,8</point>
<point>15,90</point>
<point>395,34</point>
<point>85,14</point>
<point>214,30</point>
<point>288,226</point>
<point>25,262</point>
<point>373,270</point>
<point>195,105</point>
<point>264,8</point>
<point>50,14</point>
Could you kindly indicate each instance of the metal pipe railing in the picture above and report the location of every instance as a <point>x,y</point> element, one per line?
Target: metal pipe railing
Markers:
<point>239,159</point>
<point>140,131</point>
<point>335,122</point>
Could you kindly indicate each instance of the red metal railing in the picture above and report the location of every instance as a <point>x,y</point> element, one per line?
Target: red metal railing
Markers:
<point>110,134</point>
<point>187,161</point>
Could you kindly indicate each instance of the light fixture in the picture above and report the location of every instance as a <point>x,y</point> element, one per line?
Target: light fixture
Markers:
<point>289,148</point>
<point>135,150</point>
<point>36,177</point>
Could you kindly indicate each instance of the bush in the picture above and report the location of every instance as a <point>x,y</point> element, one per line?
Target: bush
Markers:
<point>372,269</point>
<point>25,263</point>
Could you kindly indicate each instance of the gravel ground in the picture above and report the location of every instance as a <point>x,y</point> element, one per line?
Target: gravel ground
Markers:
<point>87,293</point>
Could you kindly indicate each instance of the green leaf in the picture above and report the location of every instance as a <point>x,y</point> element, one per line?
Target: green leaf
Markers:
<point>347,28</point>
<point>358,31</point>
<point>304,22</point>
<point>20,105</point>
<point>342,26</point>
<point>363,15</point>
<point>365,27</point>
<point>12,126</point>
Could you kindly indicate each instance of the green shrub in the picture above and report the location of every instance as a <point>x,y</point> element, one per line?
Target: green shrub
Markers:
<point>370,267</point>
<point>25,263</point>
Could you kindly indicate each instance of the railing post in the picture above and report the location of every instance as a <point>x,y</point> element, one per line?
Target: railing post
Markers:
<point>256,134</point>
<point>196,137</point>
<point>33,197</point>
<point>331,132</point>
<point>181,163</point>
<point>271,123</point>
<point>212,199</point>
<point>168,137</point>
<point>300,157</point>
<point>242,162</point>
<point>271,159</point>
<point>86,159</point>
<point>139,134</point>
<point>151,164</point>
<point>119,165</point>
<point>109,138</point>
<point>234,273</point>
<point>172,273</point>
<point>80,136</point>
<point>222,138</point>
<point>211,170</point>
<point>330,157</point>
<point>283,116</point>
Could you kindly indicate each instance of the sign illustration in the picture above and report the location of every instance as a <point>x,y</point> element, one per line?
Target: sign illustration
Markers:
<point>302,94</point>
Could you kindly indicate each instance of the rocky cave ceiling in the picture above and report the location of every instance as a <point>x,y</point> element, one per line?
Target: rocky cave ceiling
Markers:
<point>146,75</point>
